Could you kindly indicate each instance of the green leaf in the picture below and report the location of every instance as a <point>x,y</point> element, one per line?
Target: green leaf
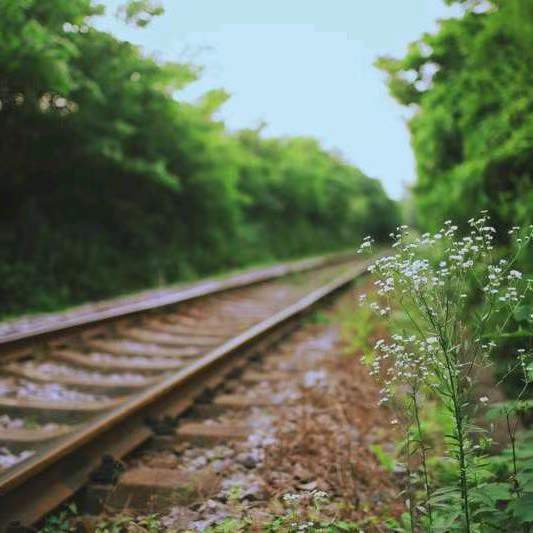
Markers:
<point>522,508</point>
<point>491,493</point>
<point>525,480</point>
<point>522,313</point>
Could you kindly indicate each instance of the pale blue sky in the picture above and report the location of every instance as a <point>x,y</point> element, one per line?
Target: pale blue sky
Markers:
<point>302,66</point>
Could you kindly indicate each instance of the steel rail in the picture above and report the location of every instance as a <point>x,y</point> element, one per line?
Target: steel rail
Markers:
<point>181,294</point>
<point>41,485</point>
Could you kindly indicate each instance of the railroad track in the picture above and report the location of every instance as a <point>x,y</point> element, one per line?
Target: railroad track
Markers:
<point>75,389</point>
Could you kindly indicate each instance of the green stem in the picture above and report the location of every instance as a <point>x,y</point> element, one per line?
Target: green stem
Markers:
<point>410,491</point>
<point>462,461</point>
<point>512,438</point>
<point>423,458</point>
<point>458,418</point>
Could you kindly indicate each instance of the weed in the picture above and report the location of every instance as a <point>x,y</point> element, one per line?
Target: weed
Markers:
<point>438,353</point>
<point>386,460</point>
<point>149,524</point>
<point>62,521</point>
<point>230,525</point>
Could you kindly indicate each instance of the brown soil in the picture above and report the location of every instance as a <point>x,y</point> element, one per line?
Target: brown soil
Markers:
<point>317,435</point>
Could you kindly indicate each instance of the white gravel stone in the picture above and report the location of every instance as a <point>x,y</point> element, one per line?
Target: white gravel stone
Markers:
<point>61,370</point>
<point>22,388</point>
<point>314,379</point>
<point>9,459</point>
<point>6,422</point>
<point>138,361</point>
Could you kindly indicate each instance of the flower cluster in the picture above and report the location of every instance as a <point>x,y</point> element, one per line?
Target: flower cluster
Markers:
<point>440,340</point>
<point>316,496</point>
<point>366,244</point>
<point>407,359</point>
<point>430,277</point>
<point>303,526</point>
<point>502,283</point>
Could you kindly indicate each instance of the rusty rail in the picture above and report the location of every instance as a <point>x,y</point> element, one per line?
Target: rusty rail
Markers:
<point>40,485</point>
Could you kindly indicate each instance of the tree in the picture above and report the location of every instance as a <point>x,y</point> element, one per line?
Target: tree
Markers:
<point>473,129</point>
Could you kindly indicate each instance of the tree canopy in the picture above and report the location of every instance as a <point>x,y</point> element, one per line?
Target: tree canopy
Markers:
<point>110,183</point>
<point>471,85</point>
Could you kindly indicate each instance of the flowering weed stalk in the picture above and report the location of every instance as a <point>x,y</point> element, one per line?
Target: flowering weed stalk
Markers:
<point>444,342</point>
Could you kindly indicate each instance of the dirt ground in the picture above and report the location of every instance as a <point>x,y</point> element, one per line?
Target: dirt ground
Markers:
<point>312,451</point>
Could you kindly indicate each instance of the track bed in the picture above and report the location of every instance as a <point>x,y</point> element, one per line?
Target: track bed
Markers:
<point>69,395</point>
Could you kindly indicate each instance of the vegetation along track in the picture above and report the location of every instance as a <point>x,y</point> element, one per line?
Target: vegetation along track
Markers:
<point>72,390</point>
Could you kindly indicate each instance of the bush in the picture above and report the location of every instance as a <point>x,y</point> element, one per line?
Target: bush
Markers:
<point>109,184</point>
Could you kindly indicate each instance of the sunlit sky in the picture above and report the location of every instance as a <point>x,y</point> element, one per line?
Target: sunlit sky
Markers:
<point>302,66</point>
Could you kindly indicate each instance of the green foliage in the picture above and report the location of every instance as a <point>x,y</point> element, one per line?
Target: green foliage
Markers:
<point>358,330</point>
<point>473,129</point>
<point>140,12</point>
<point>287,523</point>
<point>121,523</point>
<point>62,521</point>
<point>386,460</point>
<point>109,183</point>
<point>230,525</point>
<point>290,523</point>
<point>498,503</point>
<point>281,525</point>
<point>435,357</point>
<point>472,132</point>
